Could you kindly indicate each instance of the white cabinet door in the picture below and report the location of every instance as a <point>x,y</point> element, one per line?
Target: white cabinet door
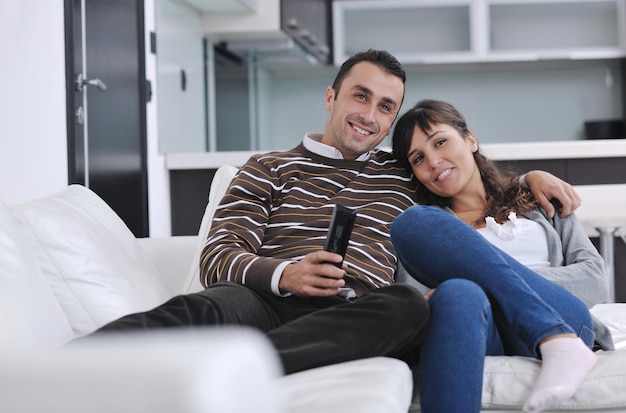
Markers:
<point>456,31</point>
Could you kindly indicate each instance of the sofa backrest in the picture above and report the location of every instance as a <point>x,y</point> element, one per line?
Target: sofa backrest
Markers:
<point>221,181</point>
<point>87,257</point>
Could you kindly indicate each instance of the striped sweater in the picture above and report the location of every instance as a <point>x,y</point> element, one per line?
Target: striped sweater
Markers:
<point>278,208</point>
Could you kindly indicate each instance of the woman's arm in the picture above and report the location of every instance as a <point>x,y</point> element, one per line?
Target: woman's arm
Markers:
<point>580,270</point>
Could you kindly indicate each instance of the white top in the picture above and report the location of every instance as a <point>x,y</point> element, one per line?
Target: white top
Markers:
<point>523,239</point>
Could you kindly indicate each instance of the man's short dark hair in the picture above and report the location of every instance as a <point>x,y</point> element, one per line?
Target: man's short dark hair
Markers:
<point>380,58</point>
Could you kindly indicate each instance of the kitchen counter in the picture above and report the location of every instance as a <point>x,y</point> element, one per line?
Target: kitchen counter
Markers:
<point>605,148</point>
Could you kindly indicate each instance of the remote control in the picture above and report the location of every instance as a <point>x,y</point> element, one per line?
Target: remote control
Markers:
<point>341,225</point>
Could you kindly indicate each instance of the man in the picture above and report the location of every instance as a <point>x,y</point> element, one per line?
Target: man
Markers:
<point>264,264</point>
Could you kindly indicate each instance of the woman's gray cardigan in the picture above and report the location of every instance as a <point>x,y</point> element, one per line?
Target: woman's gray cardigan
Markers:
<point>575,264</point>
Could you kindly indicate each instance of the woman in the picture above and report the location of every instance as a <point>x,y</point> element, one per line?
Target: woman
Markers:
<point>483,301</point>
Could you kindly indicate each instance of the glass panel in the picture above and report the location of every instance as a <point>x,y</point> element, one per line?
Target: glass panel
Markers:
<point>563,25</point>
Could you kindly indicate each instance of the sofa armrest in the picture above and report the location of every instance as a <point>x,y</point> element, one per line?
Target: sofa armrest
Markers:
<point>219,370</point>
<point>173,257</point>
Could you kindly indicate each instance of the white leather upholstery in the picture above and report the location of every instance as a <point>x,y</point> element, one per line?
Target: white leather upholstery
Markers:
<point>212,370</point>
<point>89,258</point>
<point>30,315</point>
<point>92,262</point>
<point>373,385</point>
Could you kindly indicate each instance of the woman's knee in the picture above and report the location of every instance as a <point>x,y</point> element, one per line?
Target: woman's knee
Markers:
<point>460,294</point>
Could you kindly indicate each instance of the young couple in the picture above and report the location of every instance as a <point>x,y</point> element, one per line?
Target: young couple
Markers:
<point>264,263</point>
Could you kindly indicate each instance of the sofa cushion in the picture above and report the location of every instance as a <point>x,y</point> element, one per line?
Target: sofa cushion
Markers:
<point>30,316</point>
<point>216,370</point>
<point>89,257</point>
<point>507,381</point>
<point>376,384</point>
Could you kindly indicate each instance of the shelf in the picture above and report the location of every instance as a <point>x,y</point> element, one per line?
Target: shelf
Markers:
<point>457,31</point>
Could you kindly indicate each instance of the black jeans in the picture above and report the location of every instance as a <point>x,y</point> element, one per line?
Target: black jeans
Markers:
<point>307,332</point>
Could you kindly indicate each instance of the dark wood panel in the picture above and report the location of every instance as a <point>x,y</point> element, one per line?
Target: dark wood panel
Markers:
<point>189,193</point>
<point>596,171</point>
<point>557,167</point>
<point>588,171</point>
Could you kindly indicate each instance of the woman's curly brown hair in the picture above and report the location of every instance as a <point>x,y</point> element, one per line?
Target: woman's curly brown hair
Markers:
<point>504,193</point>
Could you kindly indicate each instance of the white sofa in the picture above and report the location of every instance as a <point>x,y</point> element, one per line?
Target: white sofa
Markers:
<point>68,265</point>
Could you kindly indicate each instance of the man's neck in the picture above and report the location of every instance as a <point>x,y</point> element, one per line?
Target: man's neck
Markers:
<point>313,142</point>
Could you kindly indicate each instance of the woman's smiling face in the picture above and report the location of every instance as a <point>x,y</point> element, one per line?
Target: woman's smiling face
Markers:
<point>443,160</point>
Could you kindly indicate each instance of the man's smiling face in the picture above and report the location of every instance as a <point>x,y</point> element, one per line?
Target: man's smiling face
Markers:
<point>362,111</point>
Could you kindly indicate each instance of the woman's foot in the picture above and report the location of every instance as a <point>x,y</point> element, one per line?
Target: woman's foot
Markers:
<point>566,361</point>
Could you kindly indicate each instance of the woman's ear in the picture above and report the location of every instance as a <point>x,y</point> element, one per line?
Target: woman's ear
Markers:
<point>472,141</point>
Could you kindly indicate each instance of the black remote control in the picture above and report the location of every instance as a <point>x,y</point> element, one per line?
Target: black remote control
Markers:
<point>341,225</point>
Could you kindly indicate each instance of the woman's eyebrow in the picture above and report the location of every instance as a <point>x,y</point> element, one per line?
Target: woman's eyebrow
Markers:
<point>428,137</point>
<point>434,133</point>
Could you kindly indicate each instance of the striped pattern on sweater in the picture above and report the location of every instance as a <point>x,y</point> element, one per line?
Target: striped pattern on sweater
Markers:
<point>279,207</point>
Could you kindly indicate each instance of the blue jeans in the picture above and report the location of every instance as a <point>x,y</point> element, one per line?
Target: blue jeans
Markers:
<point>486,303</point>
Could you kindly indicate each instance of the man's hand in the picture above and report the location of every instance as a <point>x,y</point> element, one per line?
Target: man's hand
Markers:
<point>546,187</point>
<point>314,275</point>
<point>429,293</point>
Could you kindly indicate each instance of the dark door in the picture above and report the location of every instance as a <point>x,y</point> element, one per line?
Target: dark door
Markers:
<point>106,104</point>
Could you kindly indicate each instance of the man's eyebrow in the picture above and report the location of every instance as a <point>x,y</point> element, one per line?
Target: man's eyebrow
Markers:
<point>363,89</point>
<point>369,92</point>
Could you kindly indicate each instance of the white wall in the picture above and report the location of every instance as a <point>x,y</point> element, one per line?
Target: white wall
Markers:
<point>158,177</point>
<point>502,103</point>
<point>33,143</point>
<point>179,47</point>
<point>33,138</point>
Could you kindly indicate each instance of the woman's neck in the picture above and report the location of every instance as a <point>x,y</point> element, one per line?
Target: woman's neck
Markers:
<point>470,207</point>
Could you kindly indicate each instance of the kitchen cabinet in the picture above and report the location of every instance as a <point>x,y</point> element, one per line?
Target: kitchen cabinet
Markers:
<point>468,31</point>
<point>275,26</point>
<point>309,23</point>
<point>230,6</point>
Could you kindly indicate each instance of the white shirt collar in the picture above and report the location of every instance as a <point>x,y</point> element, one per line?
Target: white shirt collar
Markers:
<point>312,141</point>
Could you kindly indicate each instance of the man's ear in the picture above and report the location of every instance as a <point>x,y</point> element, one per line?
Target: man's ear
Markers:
<point>329,98</point>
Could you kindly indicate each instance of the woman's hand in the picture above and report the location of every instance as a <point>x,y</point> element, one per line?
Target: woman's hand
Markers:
<point>546,187</point>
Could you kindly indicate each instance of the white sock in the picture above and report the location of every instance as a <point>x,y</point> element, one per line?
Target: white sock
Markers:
<point>565,364</point>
